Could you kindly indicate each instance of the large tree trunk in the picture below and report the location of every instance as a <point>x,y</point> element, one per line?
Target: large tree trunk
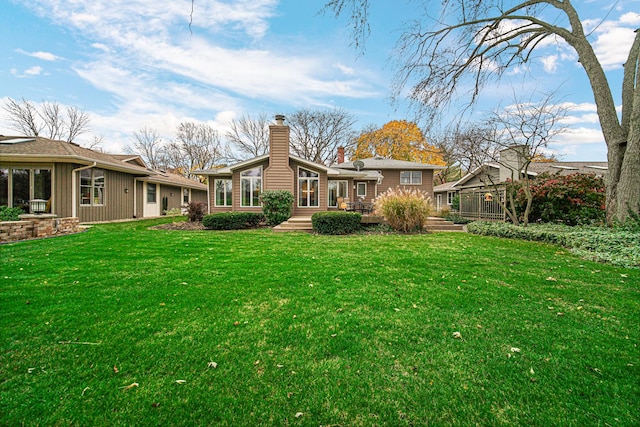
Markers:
<point>628,191</point>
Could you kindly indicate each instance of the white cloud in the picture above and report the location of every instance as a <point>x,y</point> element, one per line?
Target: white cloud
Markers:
<point>345,69</point>
<point>45,56</point>
<point>550,63</point>
<point>29,72</point>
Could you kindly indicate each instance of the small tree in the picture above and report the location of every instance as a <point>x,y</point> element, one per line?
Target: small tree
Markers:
<point>277,205</point>
<point>405,210</point>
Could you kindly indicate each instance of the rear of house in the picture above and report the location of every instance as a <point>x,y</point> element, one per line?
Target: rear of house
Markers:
<point>315,187</point>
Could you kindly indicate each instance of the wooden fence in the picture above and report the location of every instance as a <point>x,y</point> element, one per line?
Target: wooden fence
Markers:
<point>481,205</point>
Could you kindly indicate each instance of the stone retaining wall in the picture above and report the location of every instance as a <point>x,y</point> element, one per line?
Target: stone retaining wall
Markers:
<point>37,226</point>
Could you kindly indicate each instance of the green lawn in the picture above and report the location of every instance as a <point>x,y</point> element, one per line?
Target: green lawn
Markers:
<point>260,328</point>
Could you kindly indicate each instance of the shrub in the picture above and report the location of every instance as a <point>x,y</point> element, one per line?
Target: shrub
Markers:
<point>173,211</point>
<point>336,222</point>
<point>444,212</point>
<point>405,210</point>
<point>455,202</point>
<point>10,214</point>
<point>576,199</point>
<point>196,211</point>
<point>277,205</point>
<point>615,246</point>
<point>232,220</point>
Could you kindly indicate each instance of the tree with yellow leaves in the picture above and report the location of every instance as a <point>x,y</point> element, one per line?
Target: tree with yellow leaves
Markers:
<point>398,139</point>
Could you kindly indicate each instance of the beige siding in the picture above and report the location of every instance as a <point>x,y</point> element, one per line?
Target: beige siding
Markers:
<point>117,203</point>
<point>62,198</point>
<point>392,180</point>
<point>279,175</point>
<point>173,195</point>
<point>199,196</point>
<point>140,198</point>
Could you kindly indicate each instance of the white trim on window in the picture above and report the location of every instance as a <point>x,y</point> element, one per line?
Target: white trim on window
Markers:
<point>255,187</point>
<point>227,194</point>
<point>341,186</point>
<point>359,186</point>
<point>410,177</point>
<point>312,191</point>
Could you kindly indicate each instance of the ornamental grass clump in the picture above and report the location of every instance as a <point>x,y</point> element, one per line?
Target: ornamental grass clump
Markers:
<point>405,210</point>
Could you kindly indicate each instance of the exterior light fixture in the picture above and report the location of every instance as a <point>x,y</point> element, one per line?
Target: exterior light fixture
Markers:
<point>38,206</point>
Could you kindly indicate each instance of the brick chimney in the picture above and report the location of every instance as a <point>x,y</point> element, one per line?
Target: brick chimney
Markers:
<point>340,155</point>
<point>279,175</point>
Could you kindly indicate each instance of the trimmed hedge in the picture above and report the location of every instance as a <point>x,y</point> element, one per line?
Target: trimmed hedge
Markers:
<point>336,222</point>
<point>232,220</point>
<point>611,245</point>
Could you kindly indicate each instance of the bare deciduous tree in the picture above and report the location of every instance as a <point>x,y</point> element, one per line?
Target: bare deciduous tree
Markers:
<point>480,40</point>
<point>249,136</point>
<point>317,134</point>
<point>197,146</point>
<point>48,120</point>
<point>148,144</point>
<point>525,129</point>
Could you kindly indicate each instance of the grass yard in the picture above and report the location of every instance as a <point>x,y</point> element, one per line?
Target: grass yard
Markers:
<point>124,325</point>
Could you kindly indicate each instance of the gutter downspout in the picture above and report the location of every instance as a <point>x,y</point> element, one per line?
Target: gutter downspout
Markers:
<point>135,197</point>
<point>74,188</point>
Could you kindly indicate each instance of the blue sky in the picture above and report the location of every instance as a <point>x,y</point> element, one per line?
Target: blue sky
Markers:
<point>135,63</point>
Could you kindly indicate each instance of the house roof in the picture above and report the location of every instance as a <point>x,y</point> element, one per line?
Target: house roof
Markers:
<point>536,168</point>
<point>331,171</point>
<point>29,149</point>
<point>380,163</point>
<point>49,150</point>
<point>444,187</point>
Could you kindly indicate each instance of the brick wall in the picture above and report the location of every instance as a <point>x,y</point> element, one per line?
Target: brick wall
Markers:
<point>30,227</point>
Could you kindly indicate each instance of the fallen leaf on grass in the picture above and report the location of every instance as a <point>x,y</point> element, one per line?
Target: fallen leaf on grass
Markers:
<point>180,381</point>
<point>551,279</point>
<point>299,414</point>
<point>115,369</point>
<point>515,350</point>
<point>457,335</point>
<point>213,365</point>
<point>130,386</point>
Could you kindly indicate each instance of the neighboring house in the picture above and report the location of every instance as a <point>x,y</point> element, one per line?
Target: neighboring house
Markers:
<point>479,181</point>
<point>315,187</point>
<point>83,183</point>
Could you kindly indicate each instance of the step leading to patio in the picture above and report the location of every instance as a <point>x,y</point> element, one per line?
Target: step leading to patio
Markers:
<point>435,224</point>
<point>295,223</point>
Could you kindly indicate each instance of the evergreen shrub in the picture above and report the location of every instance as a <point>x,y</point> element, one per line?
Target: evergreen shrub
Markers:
<point>336,222</point>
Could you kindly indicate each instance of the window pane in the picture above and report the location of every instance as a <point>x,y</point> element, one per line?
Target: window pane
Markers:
<point>228,192</point>
<point>151,193</point>
<point>314,192</point>
<point>405,177</point>
<point>185,196</point>
<point>21,189</point>
<point>252,172</point>
<point>98,178</point>
<point>256,191</point>
<point>4,187</point>
<point>303,192</point>
<point>342,189</point>
<point>362,189</point>
<point>42,184</point>
<point>245,192</point>
<point>98,195</point>
<point>416,177</point>
<point>333,193</point>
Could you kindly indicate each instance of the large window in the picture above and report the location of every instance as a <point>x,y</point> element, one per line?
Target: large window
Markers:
<point>308,188</point>
<point>223,192</point>
<point>337,189</point>
<point>250,187</point>
<point>411,177</point>
<point>92,186</point>
<point>19,185</point>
